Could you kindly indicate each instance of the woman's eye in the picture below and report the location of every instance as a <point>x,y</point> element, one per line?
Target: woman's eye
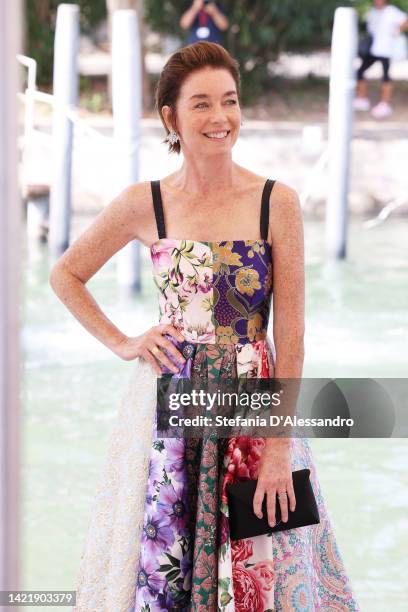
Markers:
<point>204,104</point>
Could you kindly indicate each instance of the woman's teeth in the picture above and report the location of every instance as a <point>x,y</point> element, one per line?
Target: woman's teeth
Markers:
<point>218,135</point>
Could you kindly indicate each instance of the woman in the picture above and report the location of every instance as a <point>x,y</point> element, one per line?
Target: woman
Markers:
<point>218,234</point>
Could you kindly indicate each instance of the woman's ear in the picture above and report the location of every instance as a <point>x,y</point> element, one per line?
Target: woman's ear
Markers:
<point>166,112</point>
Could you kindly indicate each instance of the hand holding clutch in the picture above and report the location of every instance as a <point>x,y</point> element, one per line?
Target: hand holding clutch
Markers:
<point>244,523</point>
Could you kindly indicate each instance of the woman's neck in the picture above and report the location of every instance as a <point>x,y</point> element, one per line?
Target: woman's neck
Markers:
<point>206,175</point>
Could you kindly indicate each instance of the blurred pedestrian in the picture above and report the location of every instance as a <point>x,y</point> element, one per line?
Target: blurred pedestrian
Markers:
<point>206,21</point>
<point>385,24</point>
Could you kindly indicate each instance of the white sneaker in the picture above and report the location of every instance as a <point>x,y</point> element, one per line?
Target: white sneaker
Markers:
<point>362,104</point>
<point>381,110</point>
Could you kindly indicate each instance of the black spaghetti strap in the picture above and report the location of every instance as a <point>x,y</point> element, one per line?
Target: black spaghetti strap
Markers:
<point>158,208</point>
<point>265,208</point>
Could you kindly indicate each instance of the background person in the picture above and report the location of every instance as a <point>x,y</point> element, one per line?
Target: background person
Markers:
<point>384,22</point>
<point>206,21</point>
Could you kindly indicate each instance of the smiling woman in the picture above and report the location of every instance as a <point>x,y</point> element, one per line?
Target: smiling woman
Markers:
<point>180,85</point>
<point>221,239</point>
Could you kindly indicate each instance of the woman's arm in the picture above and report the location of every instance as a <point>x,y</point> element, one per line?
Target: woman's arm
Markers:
<point>127,217</point>
<point>123,220</point>
<point>286,235</point>
<point>288,282</point>
<point>288,294</point>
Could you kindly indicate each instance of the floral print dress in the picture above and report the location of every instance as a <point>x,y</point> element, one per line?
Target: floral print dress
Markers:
<point>219,295</point>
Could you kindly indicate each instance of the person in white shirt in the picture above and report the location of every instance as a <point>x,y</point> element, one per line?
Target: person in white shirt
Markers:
<point>385,22</point>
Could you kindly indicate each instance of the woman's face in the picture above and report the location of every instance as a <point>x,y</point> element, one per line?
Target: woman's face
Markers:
<point>208,115</point>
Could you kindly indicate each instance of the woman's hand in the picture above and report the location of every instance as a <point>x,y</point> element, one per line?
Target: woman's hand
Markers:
<point>151,345</point>
<point>275,477</point>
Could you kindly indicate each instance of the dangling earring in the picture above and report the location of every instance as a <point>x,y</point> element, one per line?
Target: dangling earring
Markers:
<point>172,137</point>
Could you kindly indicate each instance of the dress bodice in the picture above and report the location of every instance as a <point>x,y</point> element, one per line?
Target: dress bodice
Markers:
<point>216,292</point>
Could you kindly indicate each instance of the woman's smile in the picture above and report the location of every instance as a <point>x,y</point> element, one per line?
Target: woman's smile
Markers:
<point>220,135</point>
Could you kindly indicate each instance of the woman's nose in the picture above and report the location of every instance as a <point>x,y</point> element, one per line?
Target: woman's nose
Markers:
<point>218,114</point>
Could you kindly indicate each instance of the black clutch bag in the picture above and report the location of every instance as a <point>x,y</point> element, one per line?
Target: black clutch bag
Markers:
<point>244,523</point>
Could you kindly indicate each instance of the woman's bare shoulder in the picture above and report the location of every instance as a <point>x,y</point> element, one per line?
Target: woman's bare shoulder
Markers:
<point>284,198</point>
<point>285,212</point>
<point>137,203</point>
<point>280,188</point>
<point>137,197</point>
<point>285,215</point>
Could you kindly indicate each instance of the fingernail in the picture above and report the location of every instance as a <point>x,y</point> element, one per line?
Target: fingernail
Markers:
<point>259,515</point>
<point>272,524</point>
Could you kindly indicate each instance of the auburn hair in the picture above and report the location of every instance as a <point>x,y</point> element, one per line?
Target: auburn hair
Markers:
<point>182,63</point>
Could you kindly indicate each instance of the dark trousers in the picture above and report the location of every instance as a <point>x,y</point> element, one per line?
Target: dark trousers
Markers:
<point>369,60</point>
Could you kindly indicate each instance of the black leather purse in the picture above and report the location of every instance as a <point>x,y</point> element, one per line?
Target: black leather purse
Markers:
<point>244,523</point>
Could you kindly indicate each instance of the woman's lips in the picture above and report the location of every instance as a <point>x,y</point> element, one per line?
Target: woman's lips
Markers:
<point>225,132</point>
